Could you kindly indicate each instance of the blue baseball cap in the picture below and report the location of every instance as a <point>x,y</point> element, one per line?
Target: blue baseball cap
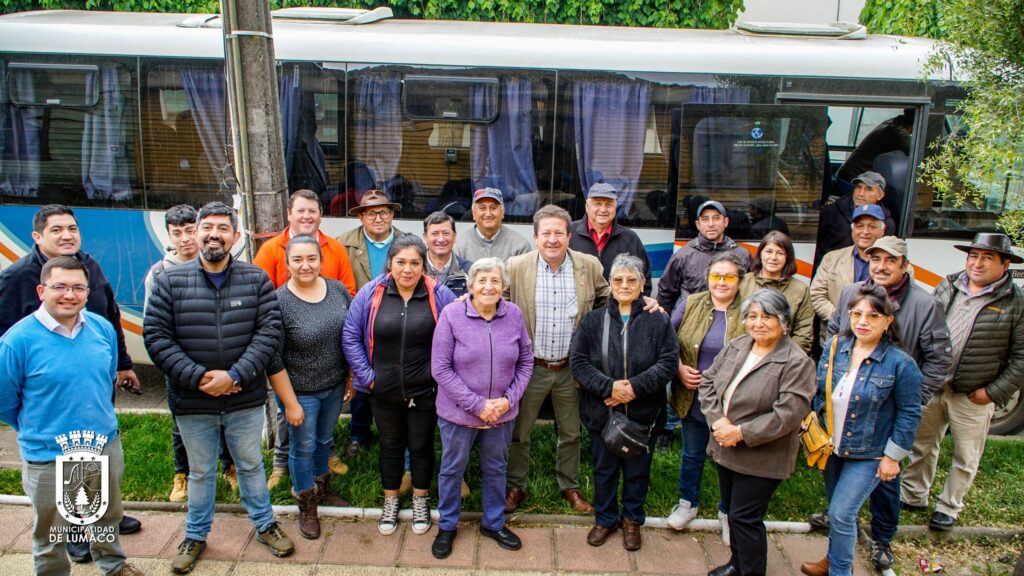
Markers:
<point>872,210</point>
<point>491,193</point>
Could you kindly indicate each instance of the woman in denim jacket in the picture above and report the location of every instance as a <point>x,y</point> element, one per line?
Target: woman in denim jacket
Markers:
<point>876,405</point>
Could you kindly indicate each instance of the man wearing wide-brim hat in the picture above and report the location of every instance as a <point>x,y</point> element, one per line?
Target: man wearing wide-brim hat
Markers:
<point>985,312</point>
<point>367,248</point>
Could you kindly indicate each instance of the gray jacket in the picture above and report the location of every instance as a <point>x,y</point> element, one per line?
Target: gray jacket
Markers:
<point>993,357</point>
<point>507,243</point>
<point>922,333</point>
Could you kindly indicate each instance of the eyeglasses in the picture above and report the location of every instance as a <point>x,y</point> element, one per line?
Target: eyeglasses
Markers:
<point>630,281</point>
<point>755,318</point>
<point>378,214</point>
<point>729,278</point>
<point>76,288</point>
<point>856,315</point>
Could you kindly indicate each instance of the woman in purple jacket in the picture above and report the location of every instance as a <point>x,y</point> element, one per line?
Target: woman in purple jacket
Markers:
<point>481,361</point>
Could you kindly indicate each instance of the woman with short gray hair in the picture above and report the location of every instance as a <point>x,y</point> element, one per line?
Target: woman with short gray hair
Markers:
<point>627,263</point>
<point>487,265</point>
<point>754,397</point>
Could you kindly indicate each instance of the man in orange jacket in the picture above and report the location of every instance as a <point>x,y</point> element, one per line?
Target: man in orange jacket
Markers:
<point>304,216</point>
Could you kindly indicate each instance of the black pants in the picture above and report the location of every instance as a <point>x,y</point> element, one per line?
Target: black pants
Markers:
<point>362,419</point>
<point>745,499</point>
<point>181,457</point>
<point>401,426</point>
<point>636,479</point>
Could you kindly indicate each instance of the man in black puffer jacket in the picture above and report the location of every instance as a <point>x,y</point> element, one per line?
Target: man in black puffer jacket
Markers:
<point>213,326</point>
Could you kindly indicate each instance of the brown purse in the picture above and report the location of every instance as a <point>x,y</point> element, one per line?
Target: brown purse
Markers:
<point>817,440</point>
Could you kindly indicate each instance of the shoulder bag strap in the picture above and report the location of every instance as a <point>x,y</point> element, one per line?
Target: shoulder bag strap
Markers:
<point>605,330</point>
<point>828,386</point>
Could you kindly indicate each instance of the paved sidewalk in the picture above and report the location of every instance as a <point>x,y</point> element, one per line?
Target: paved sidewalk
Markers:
<point>355,548</point>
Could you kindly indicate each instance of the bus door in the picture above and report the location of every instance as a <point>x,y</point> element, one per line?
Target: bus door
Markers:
<point>879,134</point>
<point>765,163</point>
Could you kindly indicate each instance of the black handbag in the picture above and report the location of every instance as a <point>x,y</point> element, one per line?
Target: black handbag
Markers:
<point>623,437</point>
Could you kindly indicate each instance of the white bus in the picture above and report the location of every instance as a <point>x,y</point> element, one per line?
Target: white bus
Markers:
<point>122,115</point>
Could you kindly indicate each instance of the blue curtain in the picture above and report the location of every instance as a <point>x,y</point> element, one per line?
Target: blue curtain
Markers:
<point>501,153</point>
<point>105,166</point>
<point>20,133</point>
<point>206,92</point>
<point>304,159</point>
<point>610,120</point>
<point>378,123</point>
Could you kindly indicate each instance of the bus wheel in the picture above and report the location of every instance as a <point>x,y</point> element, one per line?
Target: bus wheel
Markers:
<point>1009,418</point>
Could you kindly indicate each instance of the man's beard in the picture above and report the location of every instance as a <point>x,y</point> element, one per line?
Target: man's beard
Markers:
<point>214,255</point>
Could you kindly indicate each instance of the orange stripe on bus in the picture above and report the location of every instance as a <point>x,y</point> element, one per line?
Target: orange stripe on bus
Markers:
<point>926,276</point>
<point>8,253</point>
<point>131,326</point>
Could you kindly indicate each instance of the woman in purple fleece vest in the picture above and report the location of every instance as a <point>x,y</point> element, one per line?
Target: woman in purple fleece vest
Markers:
<point>482,361</point>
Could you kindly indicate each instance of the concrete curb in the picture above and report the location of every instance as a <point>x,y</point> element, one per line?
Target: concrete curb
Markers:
<point>699,525</point>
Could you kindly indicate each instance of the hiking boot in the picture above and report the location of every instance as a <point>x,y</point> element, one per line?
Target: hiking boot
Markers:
<point>682,514</point>
<point>406,485</point>
<point>188,554</point>
<point>276,540</point>
<point>325,495</point>
<point>127,569</point>
<point>420,514</point>
<point>276,475</point>
<point>819,568</point>
<point>231,477</point>
<point>632,538</point>
<point>309,523</point>
<point>881,555</point>
<point>723,522</point>
<point>179,488</point>
<point>336,466</point>
<point>388,522</point>
<point>464,491</point>
<point>598,534</point>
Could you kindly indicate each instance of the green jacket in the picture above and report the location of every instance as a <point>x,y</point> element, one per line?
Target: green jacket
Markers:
<point>697,319</point>
<point>799,297</point>
<point>993,357</point>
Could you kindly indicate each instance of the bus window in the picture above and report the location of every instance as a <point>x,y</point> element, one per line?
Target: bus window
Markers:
<point>429,140</point>
<point>763,162</point>
<point>186,138</point>
<point>310,124</point>
<point>68,132</point>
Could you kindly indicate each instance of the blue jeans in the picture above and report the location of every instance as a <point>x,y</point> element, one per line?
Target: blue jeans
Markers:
<point>456,444</point>
<point>313,441</point>
<point>362,419</point>
<point>885,510</point>
<point>636,479</point>
<point>243,430</point>
<point>848,483</point>
<point>695,452</point>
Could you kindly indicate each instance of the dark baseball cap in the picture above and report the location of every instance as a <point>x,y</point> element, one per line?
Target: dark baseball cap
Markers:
<point>603,190</point>
<point>872,210</point>
<point>871,179</point>
<point>712,204</point>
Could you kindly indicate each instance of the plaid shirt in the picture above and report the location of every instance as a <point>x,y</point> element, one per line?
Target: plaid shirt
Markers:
<point>556,307</point>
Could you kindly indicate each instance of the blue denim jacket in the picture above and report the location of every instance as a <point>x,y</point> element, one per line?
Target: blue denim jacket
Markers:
<point>885,403</point>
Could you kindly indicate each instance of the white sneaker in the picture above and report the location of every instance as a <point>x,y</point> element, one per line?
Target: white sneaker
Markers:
<point>723,519</point>
<point>388,522</point>
<point>681,516</point>
<point>420,515</point>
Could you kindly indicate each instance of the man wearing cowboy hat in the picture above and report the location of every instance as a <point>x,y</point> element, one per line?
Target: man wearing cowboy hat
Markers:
<point>367,248</point>
<point>985,312</point>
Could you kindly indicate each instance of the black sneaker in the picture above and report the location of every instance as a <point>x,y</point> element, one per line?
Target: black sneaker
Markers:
<point>881,555</point>
<point>506,539</point>
<point>188,555</point>
<point>442,546</point>
<point>942,522</point>
<point>129,525</point>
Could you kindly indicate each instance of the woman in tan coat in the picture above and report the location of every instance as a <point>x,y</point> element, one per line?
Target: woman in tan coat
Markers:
<point>754,396</point>
<point>774,267</point>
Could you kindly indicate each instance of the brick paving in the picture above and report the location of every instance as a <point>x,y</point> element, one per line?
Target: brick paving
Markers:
<point>355,548</point>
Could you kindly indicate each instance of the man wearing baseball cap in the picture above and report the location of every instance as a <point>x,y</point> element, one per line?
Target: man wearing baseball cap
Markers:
<point>835,218</point>
<point>686,271</point>
<point>985,313</point>
<point>599,235</point>
<point>923,334</point>
<point>844,266</point>
<point>489,237</point>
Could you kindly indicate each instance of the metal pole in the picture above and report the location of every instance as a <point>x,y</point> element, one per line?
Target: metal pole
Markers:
<point>255,116</point>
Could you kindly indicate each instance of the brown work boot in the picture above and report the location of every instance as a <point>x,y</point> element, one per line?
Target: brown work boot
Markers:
<point>309,522</point>
<point>406,485</point>
<point>819,568</point>
<point>598,535</point>
<point>575,499</point>
<point>336,466</point>
<point>276,475</point>
<point>514,498</point>
<point>632,539</point>
<point>179,488</point>
<point>231,477</point>
<point>325,495</point>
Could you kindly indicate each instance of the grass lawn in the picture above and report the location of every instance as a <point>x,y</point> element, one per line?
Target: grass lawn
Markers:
<point>993,501</point>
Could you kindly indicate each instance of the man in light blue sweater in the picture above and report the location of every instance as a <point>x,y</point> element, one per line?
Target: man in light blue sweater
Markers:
<point>57,372</point>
